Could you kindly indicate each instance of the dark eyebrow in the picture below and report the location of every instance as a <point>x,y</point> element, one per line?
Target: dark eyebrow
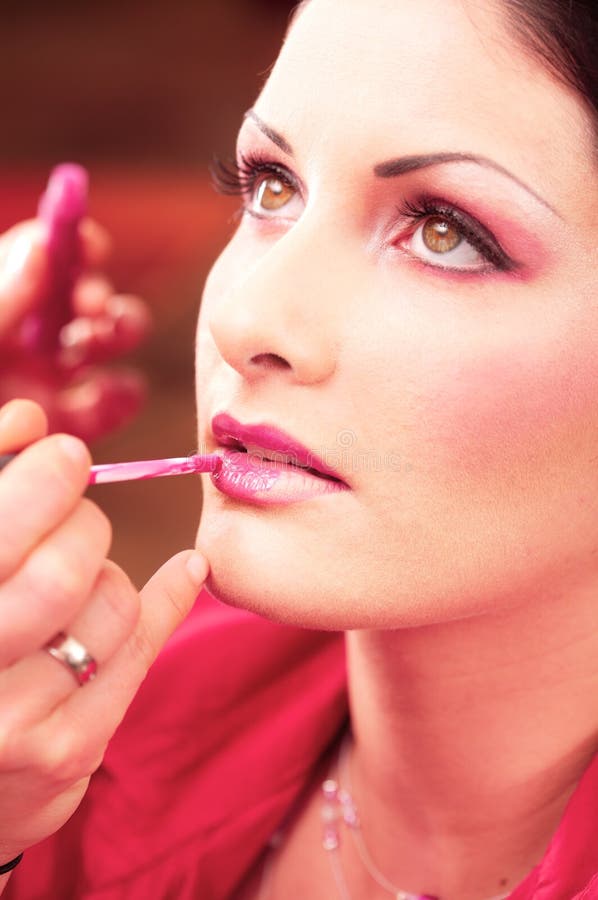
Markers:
<point>395,167</point>
<point>274,136</point>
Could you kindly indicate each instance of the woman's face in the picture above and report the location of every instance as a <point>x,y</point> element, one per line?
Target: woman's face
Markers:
<point>412,296</point>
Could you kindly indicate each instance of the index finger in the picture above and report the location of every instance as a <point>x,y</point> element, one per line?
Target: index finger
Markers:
<point>91,716</point>
<point>38,490</point>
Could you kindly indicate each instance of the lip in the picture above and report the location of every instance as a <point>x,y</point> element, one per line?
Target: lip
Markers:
<point>274,444</point>
<point>264,464</point>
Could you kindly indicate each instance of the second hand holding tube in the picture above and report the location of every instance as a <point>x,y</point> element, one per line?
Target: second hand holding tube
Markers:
<point>61,208</point>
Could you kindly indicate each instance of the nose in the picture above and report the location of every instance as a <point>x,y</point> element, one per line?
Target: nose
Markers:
<point>275,317</point>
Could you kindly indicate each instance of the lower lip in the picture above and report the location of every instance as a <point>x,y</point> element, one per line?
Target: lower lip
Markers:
<point>245,476</point>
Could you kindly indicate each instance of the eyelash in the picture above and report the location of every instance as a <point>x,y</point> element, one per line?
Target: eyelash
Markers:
<point>469,228</point>
<point>240,177</point>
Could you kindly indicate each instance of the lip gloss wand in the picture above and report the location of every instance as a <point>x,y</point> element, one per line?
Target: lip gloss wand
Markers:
<point>106,473</point>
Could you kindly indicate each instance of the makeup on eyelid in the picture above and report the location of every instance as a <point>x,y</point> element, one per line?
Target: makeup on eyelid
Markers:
<point>515,220</point>
<point>493,204</point>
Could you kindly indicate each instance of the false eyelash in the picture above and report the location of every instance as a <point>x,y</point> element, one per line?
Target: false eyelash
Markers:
<point>239,177</point>
<point>472,230</point>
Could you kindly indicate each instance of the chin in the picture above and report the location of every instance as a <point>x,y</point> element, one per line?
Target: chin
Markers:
<point>268,600</point>
<point>233,595</point>
<point>296,575</point>
<point>259,568</point>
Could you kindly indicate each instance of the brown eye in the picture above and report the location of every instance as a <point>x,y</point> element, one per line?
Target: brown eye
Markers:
<point>440,235</point>
<point>273,193</point>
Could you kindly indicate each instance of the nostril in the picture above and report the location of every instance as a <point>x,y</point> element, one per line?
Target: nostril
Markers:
<point>270,361</point>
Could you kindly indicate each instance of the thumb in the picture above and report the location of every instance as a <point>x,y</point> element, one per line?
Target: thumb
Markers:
<point>168,597</point>
<point>23,264</point>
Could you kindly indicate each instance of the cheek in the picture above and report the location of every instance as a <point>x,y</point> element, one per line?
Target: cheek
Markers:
<point>481,393</point>
<point>515,402</point>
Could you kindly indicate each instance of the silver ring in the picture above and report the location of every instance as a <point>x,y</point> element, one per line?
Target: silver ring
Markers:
<point>72,654</point>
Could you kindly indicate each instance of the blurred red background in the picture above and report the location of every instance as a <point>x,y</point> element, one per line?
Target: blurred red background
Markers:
<point>143,94</point>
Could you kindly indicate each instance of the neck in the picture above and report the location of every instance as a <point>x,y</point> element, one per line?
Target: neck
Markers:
<point>469,739</point>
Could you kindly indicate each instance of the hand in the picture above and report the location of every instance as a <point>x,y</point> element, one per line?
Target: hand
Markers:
<point>78,393</point>
<point>54,576</point>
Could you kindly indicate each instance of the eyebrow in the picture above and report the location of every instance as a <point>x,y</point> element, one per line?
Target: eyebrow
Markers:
<point>393,168</point>
<point>274,136</point>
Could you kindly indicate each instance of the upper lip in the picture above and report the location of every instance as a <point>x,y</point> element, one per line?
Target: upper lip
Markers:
<point>268,442</point>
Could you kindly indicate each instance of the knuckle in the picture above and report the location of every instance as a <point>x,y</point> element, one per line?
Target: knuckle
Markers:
<point>175,600</point>
<point>142,647</point>
<point>12,549</point>
<point>61,578</point>
<point>67,758</point>
<point>9,752</point>
<point>59,759</point>
<point>119,595</point>
<point>99,521</point>
<point>63,570</point>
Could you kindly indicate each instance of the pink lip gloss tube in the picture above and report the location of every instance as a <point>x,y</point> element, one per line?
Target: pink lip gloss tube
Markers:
<point>153,468</point>
<point>61,208</point>
<point>106,473</point>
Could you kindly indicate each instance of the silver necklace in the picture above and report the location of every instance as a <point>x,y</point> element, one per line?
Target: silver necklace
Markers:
<point>339,807</point>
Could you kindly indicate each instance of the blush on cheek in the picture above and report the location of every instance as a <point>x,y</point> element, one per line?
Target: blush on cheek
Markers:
<point>500,412</point>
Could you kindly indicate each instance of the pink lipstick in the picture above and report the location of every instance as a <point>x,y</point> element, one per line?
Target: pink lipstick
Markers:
<point>262,464</point>
<point>106,473</point>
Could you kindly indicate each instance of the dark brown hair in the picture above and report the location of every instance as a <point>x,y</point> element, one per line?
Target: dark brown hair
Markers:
<point>563,35</point>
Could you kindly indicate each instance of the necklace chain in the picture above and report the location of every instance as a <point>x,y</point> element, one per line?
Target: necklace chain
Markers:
<point>339,807</point>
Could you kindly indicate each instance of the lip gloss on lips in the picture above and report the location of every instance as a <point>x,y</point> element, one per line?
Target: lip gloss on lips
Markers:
<point>263,465</point>
<point>106,473</point>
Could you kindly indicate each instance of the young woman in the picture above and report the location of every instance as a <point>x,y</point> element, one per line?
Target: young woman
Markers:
<point>396,361</point>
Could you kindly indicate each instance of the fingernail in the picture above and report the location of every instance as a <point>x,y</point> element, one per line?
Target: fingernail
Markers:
<point>11,413</point>
<point>73,448</point>
<point>197,567</point>
<point>6,413</point>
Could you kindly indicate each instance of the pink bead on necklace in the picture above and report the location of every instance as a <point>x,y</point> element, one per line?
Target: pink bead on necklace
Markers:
<point>339,807</point>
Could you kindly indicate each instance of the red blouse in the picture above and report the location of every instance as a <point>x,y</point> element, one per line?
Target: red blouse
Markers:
<point>214,750</point>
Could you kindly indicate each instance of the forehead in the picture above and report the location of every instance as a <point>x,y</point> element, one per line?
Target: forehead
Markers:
<point>381,78</point>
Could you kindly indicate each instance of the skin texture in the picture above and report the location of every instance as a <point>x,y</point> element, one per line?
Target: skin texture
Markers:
<point>461,409</point>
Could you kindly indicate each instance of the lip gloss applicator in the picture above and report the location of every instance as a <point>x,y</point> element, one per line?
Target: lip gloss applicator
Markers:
<point>106,473</point>
<point>154,468</point>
